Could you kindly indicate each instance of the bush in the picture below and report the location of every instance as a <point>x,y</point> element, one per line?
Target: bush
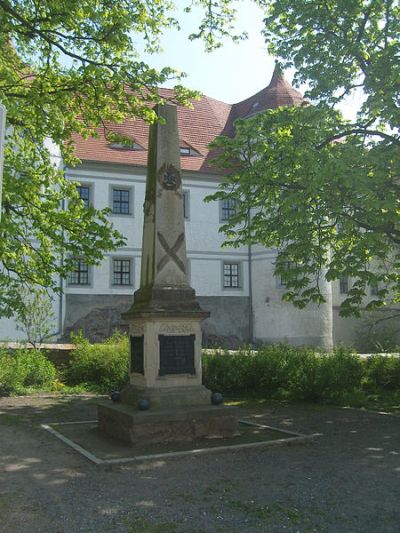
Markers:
<point>382,372</point>
<point>24,368</point>
<point>100,367</point>
<point>326,377</point>
<point>283,371</point>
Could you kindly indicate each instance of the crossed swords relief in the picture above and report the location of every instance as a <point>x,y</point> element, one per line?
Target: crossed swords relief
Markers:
<point>171,252</point>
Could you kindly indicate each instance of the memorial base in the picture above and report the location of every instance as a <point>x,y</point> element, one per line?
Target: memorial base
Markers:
<point>127,424</point>
<point>168,397</point>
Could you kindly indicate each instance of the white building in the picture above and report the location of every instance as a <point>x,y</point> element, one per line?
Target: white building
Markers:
<point>237,286</point>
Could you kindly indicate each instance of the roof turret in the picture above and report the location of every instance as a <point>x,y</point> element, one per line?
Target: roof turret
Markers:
<point>278,93</point>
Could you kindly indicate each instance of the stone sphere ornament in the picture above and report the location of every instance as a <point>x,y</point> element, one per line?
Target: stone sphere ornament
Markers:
<point>115,395</point>
<point>143,404</point>
<point>217,398</point>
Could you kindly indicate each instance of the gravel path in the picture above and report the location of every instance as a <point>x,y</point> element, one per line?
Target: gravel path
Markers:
<point>348,480</point>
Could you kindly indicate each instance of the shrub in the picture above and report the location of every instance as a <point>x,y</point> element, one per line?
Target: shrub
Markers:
<point>24,368</point>
<point>326,377</point>
<point>283,371</point>
<point>382,372</point>
<point>101,367</point>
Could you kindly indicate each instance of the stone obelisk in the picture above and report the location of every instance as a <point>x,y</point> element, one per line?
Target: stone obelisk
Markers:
<point>165,318</point>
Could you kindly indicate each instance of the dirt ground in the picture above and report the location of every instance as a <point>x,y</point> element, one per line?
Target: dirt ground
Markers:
<point>347,480</point>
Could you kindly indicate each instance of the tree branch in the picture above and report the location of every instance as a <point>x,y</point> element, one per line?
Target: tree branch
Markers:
<point>358,131</point>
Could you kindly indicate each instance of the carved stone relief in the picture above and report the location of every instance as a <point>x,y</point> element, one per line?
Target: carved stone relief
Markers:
<point>176,329</point>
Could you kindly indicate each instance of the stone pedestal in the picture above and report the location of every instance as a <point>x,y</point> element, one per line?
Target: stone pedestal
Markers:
<point>175,425</point>
<point>165,360</point>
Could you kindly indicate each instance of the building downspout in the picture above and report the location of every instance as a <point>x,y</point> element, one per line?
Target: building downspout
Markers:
<point>61,281</point>
<point>61,286</point>
<point>250,274</point>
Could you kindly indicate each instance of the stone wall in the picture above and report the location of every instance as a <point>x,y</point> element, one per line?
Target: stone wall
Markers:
<point>99,316</point>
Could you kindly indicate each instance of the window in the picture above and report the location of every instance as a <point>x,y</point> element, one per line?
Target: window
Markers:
<point>231,275</point>
<point>228,208</point>
<point>122,272</point>
<point>80,274</point>
<point>374,289</point>
<point>288,265</point>
<point>188,151</point>
<point>121,201</point>
<point>127,144</point>
<point>84,194</point>
<point>344,285</point>
<point>186,205</point>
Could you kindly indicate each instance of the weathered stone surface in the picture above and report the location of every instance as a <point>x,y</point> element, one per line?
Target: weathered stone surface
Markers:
<point>177,425</point>
<point>168,398</point>
<point>221,341</point>
<point>100,316</point>
<point>98,322</point>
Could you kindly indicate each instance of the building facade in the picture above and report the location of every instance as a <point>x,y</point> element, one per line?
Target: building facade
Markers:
<point>236,285</point>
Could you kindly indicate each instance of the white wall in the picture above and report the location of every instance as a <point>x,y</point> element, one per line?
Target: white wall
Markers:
<point>203,241</point>
<point>275,320</point>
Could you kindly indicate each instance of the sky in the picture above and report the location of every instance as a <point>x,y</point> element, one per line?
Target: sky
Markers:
<point>231,73</point>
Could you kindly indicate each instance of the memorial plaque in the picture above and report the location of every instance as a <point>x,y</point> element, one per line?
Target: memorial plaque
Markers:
<point>137,354</point>
<point>176,354</point>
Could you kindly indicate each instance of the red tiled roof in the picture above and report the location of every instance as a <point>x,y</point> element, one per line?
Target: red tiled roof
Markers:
<point>197,127</point>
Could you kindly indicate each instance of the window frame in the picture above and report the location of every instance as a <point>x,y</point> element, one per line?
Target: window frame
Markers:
<point>88,272</point>
<point>344,285</point>
<point>121,188</point>
<point>113,272</point>
<point>90,187</point>
<point>223,217</point>
<point>238,275</point>
<point>281,284</point>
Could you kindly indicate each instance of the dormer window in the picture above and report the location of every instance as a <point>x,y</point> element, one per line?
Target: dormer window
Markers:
<point>126,145</point>
<point>188,151</point>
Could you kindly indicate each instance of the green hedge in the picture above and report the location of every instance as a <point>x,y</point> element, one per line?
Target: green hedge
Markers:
<point>100,367</point>
<point>282,371</point>
<point>277,371</point>
<point>25,368</point>
<point>382,372</point>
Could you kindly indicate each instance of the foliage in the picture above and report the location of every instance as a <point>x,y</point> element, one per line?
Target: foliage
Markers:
<point>66,69</point>
<point>379,332</point>
<point>36,319</point>
<point>285,372</point>
<point>100,367</point>
<point>322,190</point>
<point>382,373</point>
<point>274,372</point>
<point>25,368</point>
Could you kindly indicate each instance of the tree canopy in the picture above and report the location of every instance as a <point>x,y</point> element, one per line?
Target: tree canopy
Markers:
<point>65,67</point>
<point>322,190</point>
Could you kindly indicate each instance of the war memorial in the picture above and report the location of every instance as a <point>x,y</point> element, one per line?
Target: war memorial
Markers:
<point>165,400</point>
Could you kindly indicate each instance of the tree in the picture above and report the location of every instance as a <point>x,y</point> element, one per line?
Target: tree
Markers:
<point>72,67</point>
<point>65,68</point>
<point>36,320</point>
<point>322,190</point>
